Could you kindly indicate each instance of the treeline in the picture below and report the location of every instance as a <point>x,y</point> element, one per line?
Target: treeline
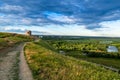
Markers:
<point>102,54</point>
<point>82,45</point>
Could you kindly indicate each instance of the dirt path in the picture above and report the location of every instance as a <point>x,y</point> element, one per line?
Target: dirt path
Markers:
<point>25,73</point>
<point>8,60</point>
<point>11,68</point>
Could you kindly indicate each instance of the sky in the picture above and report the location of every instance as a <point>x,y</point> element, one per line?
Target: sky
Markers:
<point>61,17</point>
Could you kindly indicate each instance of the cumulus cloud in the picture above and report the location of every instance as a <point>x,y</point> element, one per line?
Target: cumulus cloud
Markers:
<point>112,15</point>
<point>59,17</point>
<point>109,28</point>
<point>9,8</point>
<point>26,21</point>
<point>65,11</point>
<point>14,19</point>
<point>89,16</point>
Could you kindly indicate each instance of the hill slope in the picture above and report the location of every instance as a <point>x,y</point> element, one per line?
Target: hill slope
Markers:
<point>10,39</point>
<point>46,64</point>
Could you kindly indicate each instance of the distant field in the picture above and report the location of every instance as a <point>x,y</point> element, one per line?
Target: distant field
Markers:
<point>46,64</point>
<point>91,47</point>
<point>93,50</point>
<point>105,61</point>
<point>9,39</point>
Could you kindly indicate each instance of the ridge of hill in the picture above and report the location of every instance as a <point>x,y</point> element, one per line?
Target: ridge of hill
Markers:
<point>10,39</point>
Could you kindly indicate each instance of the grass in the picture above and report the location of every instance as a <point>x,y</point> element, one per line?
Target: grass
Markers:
<point>105,61</point>
<point>3,43</point>
<point>10,39</point>
<point>0,60</point>
<point>3,35</point>
<point>46,64</point>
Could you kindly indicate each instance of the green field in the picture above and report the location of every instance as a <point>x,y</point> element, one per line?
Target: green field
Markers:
<point>112,62</point>
<point>47,64</point>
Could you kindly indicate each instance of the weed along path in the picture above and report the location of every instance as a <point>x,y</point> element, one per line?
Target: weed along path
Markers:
<point>13,65</point>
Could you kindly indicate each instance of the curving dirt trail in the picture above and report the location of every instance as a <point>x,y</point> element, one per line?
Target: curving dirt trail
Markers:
<point>9,67</point>
<point>25,72</point>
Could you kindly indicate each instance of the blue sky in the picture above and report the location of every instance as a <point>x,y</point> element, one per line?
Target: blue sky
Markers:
<point>61,17</point>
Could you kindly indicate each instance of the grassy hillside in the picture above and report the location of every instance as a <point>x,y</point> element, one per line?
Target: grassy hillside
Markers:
<point>9,39</point>
<point>95,50</point>
<point>46,64</point>
<point>113,62</point>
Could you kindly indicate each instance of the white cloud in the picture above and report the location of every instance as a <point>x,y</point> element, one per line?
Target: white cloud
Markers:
<point>10,18</point>
<point>7,7</point>
<point>113,14</point>
<point>26,21</point>
<point>109,28</point>
<point>60,17</point>
<point>14,19</point>
<point>13,28</point>
<point>39,20</point>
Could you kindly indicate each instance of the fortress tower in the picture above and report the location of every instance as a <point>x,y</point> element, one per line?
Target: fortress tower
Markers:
<point>29,33</point>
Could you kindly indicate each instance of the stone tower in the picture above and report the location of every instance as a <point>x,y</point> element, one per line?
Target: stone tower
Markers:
<point>29,33</point>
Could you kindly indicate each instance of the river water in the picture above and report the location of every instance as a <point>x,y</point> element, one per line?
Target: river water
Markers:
<point>112,49</point>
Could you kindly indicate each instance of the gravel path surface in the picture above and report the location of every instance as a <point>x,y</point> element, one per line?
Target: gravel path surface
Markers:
<point>25,72</point>
<point>6,66</point>
<point>8,60</point>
